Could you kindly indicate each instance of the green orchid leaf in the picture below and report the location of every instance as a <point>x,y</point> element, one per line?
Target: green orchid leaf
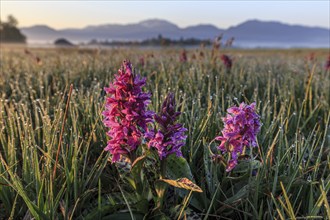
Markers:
<point>246,165</point>
<point>177,167</point>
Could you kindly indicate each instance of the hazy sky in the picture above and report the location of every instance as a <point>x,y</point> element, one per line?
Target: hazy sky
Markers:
<point>64,14</point>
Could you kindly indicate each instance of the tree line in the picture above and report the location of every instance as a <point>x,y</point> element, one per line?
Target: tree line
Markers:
<point>157,41</point>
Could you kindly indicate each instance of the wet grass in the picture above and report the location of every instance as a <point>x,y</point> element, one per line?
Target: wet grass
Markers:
<point>38,118</point>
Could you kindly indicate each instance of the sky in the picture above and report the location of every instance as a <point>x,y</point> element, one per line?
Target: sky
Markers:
<point>223,14</point>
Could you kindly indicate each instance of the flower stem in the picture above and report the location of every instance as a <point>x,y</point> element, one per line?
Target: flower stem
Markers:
<point>161,193</point>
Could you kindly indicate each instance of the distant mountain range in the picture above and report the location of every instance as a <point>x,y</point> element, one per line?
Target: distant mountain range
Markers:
<point>252,33</point>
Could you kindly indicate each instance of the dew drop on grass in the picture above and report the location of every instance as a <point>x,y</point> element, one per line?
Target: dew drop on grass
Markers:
<point>309,179</point>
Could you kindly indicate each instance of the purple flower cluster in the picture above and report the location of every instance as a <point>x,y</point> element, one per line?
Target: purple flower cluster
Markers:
<point>327,64</point>
<point>126,112</point>
<point>183,56</point>
<point>242,125</point>
<point>169,138</point>
<point>227,61</point>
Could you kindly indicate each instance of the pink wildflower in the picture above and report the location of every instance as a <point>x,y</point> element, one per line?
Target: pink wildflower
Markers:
<point>141,61</point>
<point>242,125</point>
<point>327,64</point>
<point>227,61</point>
<point>183,56</point>
<point>126,112</point>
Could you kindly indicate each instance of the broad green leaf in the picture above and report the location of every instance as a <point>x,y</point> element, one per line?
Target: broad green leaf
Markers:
<point>136,169</point>
<point>177,167</point>
<point>124,169</point>
<point>142,205</point>
<point>117,198</point>
<point>245,165</point>
<point>151,172</point>
<point>138,162</point>
<point>156,214</point>
<point>242,193</point>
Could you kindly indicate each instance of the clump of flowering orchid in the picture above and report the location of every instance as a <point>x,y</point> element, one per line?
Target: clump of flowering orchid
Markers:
<point>327,64</point>
<point>147,171</point>
<point>169,138</point>
<point>126,113</point>
<point>242,124</point>
<point>183,56</point>
<point>227,61</point>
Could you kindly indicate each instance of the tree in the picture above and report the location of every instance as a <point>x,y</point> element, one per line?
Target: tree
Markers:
<point>12,21</point>
<point>63,42</point>
<point>9,32</point>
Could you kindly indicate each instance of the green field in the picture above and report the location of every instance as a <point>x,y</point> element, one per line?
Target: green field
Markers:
<point>286,177</point>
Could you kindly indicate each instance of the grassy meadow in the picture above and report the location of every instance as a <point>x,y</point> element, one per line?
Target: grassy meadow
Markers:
<point>52,163</point>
